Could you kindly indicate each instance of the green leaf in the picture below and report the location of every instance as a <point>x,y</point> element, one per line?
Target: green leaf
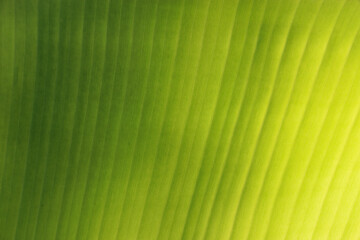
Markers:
<point>179,119</point>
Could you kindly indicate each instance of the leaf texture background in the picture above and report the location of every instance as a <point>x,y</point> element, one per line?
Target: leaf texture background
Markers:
<point>179,119</point>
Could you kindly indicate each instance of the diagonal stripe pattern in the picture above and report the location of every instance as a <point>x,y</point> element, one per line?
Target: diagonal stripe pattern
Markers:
<point>179,119</point>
